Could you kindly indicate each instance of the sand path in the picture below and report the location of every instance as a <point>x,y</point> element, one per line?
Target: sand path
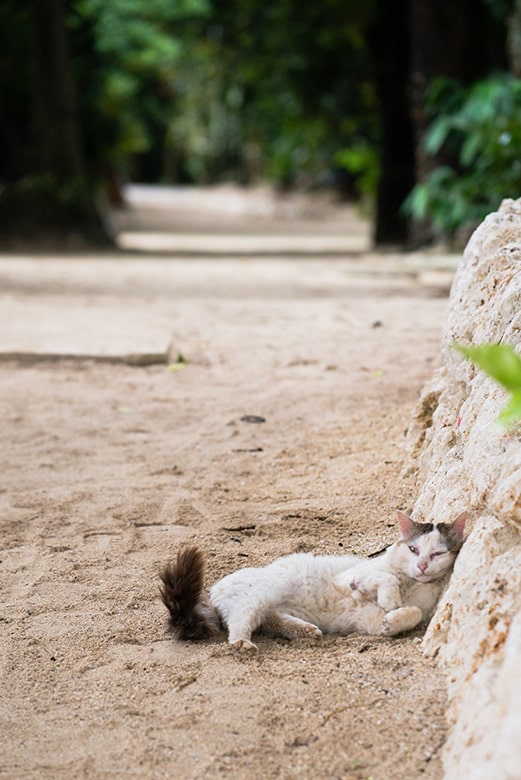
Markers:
<point>123,381</point>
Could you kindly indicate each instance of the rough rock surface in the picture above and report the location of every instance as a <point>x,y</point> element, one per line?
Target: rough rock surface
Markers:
<point>466,460</point>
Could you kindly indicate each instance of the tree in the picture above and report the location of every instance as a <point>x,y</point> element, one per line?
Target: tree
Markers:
<point>129,60</point>
<point>205,90</point>
<point>390,47</point>
<point>46,185</point>
<point>276,90</point>
<point>450,40</point>
<point>61,159</point>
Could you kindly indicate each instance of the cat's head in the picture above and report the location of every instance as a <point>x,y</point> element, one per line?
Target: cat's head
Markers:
<point>426,551</point>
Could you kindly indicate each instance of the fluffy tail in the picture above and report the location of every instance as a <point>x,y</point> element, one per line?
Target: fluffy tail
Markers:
<point>181,592</point>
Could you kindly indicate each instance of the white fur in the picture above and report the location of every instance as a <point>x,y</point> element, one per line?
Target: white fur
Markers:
<point>307,595</point>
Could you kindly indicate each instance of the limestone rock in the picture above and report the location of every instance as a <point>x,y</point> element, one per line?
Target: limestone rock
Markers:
<point>464,460</point>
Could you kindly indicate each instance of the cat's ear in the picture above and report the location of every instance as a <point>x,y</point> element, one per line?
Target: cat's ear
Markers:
<point>407,526</point>
<point>458,526</point>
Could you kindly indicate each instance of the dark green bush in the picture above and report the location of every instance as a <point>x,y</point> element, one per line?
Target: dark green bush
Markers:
<point>479,128</point>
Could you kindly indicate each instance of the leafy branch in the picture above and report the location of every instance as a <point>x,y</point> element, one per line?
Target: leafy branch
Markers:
<point>477,131</point>
<point>503,364</point>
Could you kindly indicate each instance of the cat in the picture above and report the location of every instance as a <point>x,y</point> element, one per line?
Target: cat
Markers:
<point>306,595</point>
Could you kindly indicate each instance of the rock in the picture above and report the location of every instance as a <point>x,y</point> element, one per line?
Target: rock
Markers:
<point>464,460</point>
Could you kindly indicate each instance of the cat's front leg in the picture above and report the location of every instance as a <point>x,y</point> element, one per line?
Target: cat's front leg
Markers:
<point>399,620</point>
<point>367,584</point>
<point>388,594</point>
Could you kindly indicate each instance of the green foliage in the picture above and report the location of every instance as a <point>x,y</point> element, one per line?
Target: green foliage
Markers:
<point>202,90</point>
<point>204,131</point>
<point>127,56</point>
<point>361,160</point>
<point>503,364</point>
<point>478,131</point>
<point>273,90</point>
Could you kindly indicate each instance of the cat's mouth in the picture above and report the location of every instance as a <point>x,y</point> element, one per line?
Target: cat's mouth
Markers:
<point>425,577</point>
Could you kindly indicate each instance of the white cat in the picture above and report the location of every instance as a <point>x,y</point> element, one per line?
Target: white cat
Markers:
<point>303,595</point>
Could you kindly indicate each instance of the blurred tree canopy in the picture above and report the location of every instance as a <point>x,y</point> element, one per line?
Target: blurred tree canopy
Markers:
<point>343,94</point>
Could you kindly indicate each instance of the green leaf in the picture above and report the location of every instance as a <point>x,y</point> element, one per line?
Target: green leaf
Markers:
<point>499,361</point>
<point>511,414</point>
<point>470,149</point>
<point>417,203</point>
<point>437,135</point>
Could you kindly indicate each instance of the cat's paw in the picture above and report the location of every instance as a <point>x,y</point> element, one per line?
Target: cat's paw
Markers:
<point>359,589</point>
<point>400,620</point>
<point>244,646</point>
<point>388,597</point>
<point>379,587</point>
<point>311,631</point>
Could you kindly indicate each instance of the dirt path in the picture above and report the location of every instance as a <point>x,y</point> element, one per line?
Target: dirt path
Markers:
<point>106,469</point>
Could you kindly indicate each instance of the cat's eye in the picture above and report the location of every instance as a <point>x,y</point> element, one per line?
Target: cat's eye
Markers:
<point>437,554</point>
<point>413,549</point>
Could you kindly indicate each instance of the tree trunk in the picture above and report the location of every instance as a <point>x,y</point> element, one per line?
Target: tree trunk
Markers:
<point>54,103</point>
<point>448,39</point>
<point>514,39</point>
<point>61,197</point>
<point>390,45</point>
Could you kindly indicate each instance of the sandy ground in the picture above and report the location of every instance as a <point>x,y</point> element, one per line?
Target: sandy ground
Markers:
<point>107,468</point>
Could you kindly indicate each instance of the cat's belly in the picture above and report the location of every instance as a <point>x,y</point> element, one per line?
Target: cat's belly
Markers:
<point>330,618</point>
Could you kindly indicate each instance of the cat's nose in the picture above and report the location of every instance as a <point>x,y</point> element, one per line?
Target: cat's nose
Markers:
<point>422,565</point>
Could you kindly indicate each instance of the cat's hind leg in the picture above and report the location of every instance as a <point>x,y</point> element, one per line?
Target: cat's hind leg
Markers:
<point>239,610</point>
<point>289,627</point>
<point>239,637</point>
<point>399,620</point>
<point>240,628</point>
<point>245,645</point>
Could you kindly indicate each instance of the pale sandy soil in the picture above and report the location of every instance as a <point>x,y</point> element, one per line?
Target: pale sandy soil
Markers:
<point>106,469</point>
